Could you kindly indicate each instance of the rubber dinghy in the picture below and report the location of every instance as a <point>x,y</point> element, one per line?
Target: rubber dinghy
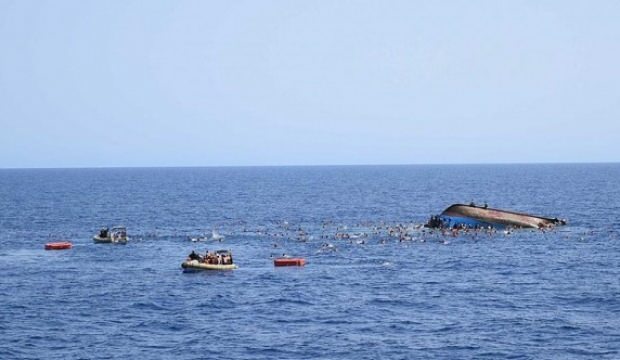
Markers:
<point>472,216</point>
<point>218,260</point>
<point>195,265</point>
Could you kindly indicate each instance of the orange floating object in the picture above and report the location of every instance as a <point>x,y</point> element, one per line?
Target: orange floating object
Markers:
<point>289,262</point>
<point>58,245</point>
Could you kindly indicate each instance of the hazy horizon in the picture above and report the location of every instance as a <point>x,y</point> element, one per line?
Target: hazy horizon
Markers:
<point>278,83</point>
<point>308,165</point>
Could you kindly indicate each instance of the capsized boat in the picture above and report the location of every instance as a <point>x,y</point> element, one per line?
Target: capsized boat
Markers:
<point>218,260</point>
<point>116,235</point>
<point>473,216</point>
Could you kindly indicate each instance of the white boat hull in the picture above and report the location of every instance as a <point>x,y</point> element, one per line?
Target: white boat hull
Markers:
<point>108,240</point>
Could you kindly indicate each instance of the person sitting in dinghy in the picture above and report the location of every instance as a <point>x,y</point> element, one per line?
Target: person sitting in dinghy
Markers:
<point>210,258</point>
<point>194,256</point>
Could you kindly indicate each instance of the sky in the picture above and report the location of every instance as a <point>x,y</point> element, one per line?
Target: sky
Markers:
<point>236,83</point>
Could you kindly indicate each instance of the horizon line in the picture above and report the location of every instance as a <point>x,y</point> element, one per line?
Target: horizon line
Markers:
<point>306,165</point>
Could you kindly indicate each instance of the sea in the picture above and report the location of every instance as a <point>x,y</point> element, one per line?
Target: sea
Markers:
<point>364,292</point>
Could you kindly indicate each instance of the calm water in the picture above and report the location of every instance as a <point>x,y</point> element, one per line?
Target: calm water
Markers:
<point>524,295</point>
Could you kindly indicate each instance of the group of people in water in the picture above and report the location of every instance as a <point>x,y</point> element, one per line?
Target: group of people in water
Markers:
<point>212,258</point>
<point>329,236</point>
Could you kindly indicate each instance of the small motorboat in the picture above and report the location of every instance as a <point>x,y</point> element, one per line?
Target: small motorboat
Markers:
<point>215,236</point>
<point>286,261</point>
<point>218,260</point>
<point>198,238</point>
<point>61,245</point>
<point>116,235</point>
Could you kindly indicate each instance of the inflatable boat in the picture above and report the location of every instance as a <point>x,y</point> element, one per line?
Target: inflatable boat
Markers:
<point>219,260</point>
<point>195,265</point>
<point>289,262</point>
<point>62,245</point>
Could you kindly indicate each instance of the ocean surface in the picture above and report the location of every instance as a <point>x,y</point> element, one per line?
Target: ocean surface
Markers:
<point>528,294</point>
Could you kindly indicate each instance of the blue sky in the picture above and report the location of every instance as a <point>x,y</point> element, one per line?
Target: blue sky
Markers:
<point>208,83</point>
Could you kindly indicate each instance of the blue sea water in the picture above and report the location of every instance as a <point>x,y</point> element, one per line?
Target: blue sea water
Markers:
<point>524,295</point>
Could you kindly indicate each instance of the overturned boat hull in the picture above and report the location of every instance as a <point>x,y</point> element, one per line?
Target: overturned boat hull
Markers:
<point>461,215</point>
